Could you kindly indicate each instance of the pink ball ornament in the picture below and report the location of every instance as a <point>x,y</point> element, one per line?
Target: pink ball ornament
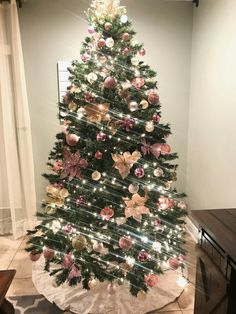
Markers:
<point>57,166</point>
<point>101,137</point>
<point>110,82</point>
<point>139,172</point>
<point>173,263</point>
<point>142,52</point>
<point>91,30</point>
<point>85,57</point>
<point>182,258</point>
<point>48,253</point>
<point>153,97</point>
<point>72,139</point>
<point>157,224</point>
<point>151,280</point>
<point>68,229</point>
<point>143,256</point>
<point>80,201</point>
<point>165,149</point>
<point>126,51</point>
<point>125,243</point>
<point>88,97</point>
<point>138,82</point>
<point>126,36</point>
<point>106,213</point>
<point>98,155</point>
<point>101,43</point>
<point>156,118</point>
<point>34,257</point>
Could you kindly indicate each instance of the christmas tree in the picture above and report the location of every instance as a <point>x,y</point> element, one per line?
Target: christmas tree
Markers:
<point>111,211</point>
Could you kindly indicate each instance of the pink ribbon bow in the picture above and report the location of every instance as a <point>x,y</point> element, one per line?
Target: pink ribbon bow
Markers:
<point>154,149</point>
<point>126,124</point>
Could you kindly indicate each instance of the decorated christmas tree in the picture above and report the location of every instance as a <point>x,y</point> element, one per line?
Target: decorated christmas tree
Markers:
<point>111,212</point>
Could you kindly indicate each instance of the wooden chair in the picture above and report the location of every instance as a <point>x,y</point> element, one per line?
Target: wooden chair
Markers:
<point>6,277</point>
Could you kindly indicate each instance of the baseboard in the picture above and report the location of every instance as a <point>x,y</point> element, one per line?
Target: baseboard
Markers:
<point>192,229</point>
<point>5,226</point>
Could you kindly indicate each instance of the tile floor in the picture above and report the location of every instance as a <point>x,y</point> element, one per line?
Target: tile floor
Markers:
<point>13,256</point>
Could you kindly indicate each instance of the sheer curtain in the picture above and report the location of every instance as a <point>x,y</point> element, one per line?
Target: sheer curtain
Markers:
<point>17,186</point>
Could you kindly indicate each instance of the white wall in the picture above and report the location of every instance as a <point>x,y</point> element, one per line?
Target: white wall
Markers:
<point>211,171</point>
<point>53,30</point>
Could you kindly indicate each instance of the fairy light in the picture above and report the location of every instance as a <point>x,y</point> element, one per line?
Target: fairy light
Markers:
<point>144,239</point>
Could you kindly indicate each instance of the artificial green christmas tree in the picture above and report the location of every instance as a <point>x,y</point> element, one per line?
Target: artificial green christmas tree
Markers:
<point>111,212</point>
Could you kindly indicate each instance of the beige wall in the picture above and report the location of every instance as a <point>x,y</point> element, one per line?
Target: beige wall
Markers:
<point>211,171</point>
<point>53,30</point>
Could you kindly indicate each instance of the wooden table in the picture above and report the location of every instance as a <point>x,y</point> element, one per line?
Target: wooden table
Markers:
<point>6,277</point>
<point>216,267</point>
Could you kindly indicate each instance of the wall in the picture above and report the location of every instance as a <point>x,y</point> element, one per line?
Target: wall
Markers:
<point>211,170</point>
<point>53,30</point>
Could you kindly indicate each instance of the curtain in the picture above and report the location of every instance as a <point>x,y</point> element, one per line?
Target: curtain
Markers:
<point>17,185</point>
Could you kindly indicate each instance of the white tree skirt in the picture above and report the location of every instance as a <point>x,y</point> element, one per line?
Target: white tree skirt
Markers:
<point>99,301</point>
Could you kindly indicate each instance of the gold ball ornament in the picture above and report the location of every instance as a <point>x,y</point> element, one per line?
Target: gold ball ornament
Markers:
<point>168,185</point>
<point>149,126</point>
<point>142,295</point>
<point>144,104</point>
<point>107,26</point>
<point>50,209</point>
<point>96,175</point>
<point>79,242</point>
<point>72,106</point>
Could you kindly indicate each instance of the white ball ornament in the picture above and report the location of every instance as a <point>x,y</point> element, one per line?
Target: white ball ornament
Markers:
<point>158,172</point>
<point>124,19</point>
<point>126,85</point>
<point>133,106</point>
<point>135,61</point>
<point>133,188</point>
<point>110,42</point>
<point>92,77</point>
<point>149,126</point>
